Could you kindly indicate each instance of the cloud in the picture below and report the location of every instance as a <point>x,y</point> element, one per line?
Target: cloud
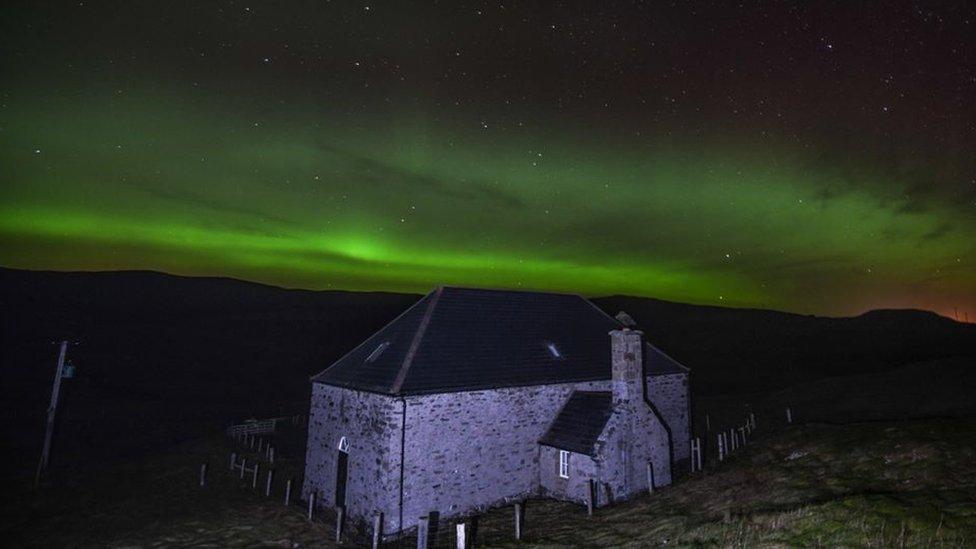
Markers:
<point>360,169</point>
<point>940,230</point>
<point>212,204</point>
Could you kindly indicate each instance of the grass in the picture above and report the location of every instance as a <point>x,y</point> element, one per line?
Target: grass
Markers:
<point>157,502</point>
<point>885,484</point>
<point>905,484</point>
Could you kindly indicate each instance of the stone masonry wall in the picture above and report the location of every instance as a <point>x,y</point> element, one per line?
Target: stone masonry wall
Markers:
<point>622,460</point>
<point>669,393</point>
<point>469,450</point>
<point>475,449</point>
<point>581,469</point>
<point>635,435</point>
<point>371,424</point>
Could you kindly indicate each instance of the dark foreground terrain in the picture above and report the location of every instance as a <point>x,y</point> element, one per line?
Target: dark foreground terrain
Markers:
<point>875,484</point>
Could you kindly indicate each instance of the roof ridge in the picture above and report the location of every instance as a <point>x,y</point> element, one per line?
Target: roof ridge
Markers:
<point>415,343</point>
<point>601,311</point>
<point>667,356</point>
<point>513,291</point>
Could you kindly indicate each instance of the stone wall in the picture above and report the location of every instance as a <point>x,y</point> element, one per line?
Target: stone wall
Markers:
<point>635,435</point>
<point>470,450</point>
<point>478,448</point>
<point>371,424</point>
<point>581,469</point>
<point>622,459</point>
<point>670,395</point>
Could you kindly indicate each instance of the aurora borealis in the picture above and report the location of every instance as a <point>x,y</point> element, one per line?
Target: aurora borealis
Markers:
<point>813,160</point>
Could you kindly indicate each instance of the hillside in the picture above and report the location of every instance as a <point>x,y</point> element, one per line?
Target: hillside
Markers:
<point>870,484</point>
<point>160,357</point>
<point>750,350</point>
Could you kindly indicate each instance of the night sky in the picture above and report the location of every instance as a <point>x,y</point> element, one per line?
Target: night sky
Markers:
<point>818,159</point>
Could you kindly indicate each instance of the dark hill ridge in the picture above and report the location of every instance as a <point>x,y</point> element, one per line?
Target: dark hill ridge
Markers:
<point>159,352</point>
<point>156,348</point>
<point>744,350</point>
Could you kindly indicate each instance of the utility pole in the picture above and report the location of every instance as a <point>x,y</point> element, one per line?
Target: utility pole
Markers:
<point>51,411</point>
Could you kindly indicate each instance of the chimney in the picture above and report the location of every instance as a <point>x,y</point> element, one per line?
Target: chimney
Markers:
<point>625,319</point>
<point>628,366</point>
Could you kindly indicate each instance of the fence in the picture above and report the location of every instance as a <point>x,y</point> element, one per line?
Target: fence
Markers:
<point>436,532</point>
<point>264,426</point>
<point>731,429</point>
<point>433,531</point>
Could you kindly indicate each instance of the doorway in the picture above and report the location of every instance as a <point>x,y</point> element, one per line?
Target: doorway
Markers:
<point>342,466</point>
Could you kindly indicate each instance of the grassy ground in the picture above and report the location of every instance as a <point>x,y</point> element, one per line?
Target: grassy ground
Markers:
<point>889,484</point>
<point>158,503</point>
<point>908,484</point>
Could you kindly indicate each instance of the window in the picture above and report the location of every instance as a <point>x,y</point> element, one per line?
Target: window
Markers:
<point>553,350</point>
<point>377,351</point>
<point>343,445</point>
<point>563,464</point>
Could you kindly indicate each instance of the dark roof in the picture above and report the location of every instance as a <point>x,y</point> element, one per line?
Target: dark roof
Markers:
<point>580,422</point>
<point>656,363</point>
<point>460,339</point>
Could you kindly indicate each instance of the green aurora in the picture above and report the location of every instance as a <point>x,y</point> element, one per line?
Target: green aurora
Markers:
<point>299,195</point>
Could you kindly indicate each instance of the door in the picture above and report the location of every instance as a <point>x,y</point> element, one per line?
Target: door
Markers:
<point>341,466</point>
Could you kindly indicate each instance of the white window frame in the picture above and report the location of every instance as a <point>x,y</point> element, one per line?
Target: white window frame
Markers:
<point>344,445</point>
<point>563,464</point>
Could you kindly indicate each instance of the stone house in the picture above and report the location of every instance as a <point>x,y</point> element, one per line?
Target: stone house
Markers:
<point>473,398</point>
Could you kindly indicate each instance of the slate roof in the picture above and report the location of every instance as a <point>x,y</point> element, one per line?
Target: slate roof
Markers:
<point>580,422</point>
<point>462,339</point>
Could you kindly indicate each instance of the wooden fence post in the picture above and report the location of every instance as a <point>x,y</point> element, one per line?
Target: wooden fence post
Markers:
<point>288,493</point>
<point>233,460</point>
<point>243,464</point>
<point>789,415</point>
<point>267,483</point>
<point>254,481</point>
<point>377,530</point>
<point>650,478</point>
<point>698,447</point>
<point>742,435</point>
<point>462,542</point>
<point>340,521</point>
<point>519,519</point>
<point>708,423</point>
<point>423,529</point>
<point>311,505</point>
<point>591,497</point>
<point>203,474</point>
<point>752,421</point>
<point>721,447</point>
<point>696,455</point>
<point>271,452</point>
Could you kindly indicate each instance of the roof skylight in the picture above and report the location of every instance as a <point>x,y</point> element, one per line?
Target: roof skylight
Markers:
<point>377,351</point>
<point>553,350</point>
